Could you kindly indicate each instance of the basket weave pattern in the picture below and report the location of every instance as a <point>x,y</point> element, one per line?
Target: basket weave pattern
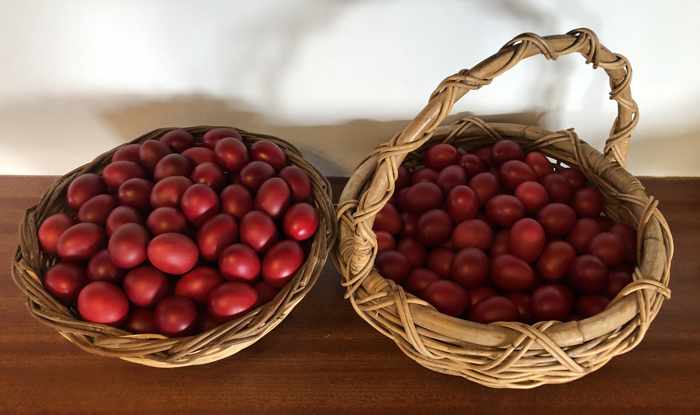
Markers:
<point>509,354</point>
<point>31,263</point>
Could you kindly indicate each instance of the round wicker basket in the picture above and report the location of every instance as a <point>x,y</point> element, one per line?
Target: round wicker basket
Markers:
<point>31,262</point>
<point>509,354</point>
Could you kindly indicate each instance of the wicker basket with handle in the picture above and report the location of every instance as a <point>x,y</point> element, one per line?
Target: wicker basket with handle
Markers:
<point>30,263</point>
<point>510,354</point>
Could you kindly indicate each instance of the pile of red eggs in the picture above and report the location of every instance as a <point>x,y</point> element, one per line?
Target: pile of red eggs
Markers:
<point>179,234</point>
<point>500,235</point>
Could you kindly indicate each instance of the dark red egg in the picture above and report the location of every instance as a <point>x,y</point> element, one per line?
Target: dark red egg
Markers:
<point>151,152</point>
<point>539,164</point>
<point>258,230</point>
<point>179,140</point>
<point>588,202</point>
<point>485,185</point>
<point>103,302</point>
<point>470,267</point>
<point>214,135</point>
<point>629,239</point>
<point>64,280</point>
<point>236,200</point>
<point>558,188</point>
<point>83,188</point>
<point>424,174</point>
<point>526,239</point>
<point>403,178</point>
<point>165,220</point>
<point>298,182</point>
<point>51,229</point>
<point>472,164</point>
<point>533,196</point>
<point>199,203</point>
<point>440,156</point>
<point>552,302</point>
<point>472,233</point>
<point>141,320</point>
<point>590,305</point>
<point>485,154</point>
<point>239,262</point>
<point>448,297</point>
<point>255,173</point>
<point>501,243</point>
<point>175,316</point>
<point>300,222</point>
<point>434,227</point>
<point>97,209</point>
<point>173,253</point>
<point>393,265</point>
<point>583,233</point>
<point>117,172</point>
<point>273,197</point>
<point>101,268</point>
<point>511,273</point>
<point>231,153</point>
<point>169,191</point>
<point>145,286</point>
<point>198,283</point>
<point>172,165</point>
<point>495,308</point>
<point>281,261</point>
<point>477,295</point>
<point>423,196</point>
<point>617,280</point>
<point>523,302</point>
<point>556,259</point>
<point>121,215</point>
<point>413,250</point>
<point>266,292</point>
<point>450,177</point>
<point>385,241</point>
<point>210,174</point>
<point>557,219</point>
<point>504,210</point>
<point>505,150</point>
<point>440,261</point>
<point>388,220</point>
<point>127,152</point>
<point>215,234</point>
<point>268,152</point>
<point>127,246</point>
<point>574,176</point>
<point>136,193</point>
<point>609,248</point>
<point>199,155</point>
<point>419,279</point>
<point>410,224</point>
<point>80,242</point>
<point>515,172</point>
<point>462,203</point>
<point>588,275</point>
<point>231,299</point>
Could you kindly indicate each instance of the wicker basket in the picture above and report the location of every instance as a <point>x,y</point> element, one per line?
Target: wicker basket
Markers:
<point>509,354</point>
<point>153,349</point>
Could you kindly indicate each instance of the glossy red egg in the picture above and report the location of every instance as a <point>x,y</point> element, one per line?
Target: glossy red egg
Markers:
<point>300,222</point>
<point>450,177</point>
<point>121,215</point>
<point>485,154</point>
<point>83,188</point>
<point>214,135</point>
<point>231,299</point>
<point>462,203</point>
<point>236,200</point>
<point>424,174</point>
<point>268,152</point>
<point>216,234</point>
<point>504,210</point>
<point>470,267</point>
<point>51,229</point>
<point>169,191</point>
<point>472,164</point>
<point>558,188</point>
<point>440,156</point>
<point>472,233</point>
<point>609,248</point>
<point>239,262</point>
<point>385,241</point>
<point>172,165</point>
<point>574,176</point>
<point>198,283</point>
<point>166,220</point>
<point>199,203</point>
<point>97,209</point>
<point>533,196</point>
<point>526,240</point>
<point>118,172</point>
<point>413,250</point>
<point>103,302</point>
<point>80,242</point>
<point>145,286</point>
<point>281,261</point>
<point>495,308</point>
<point>298,182</point>
<point>175,316</point>
<point>590,305</point>
<point>515,172</point>
<point>258,230</point>
<point>178,140</point>
<point>539,164</point>
<point>127,152</point>
<point>231,153</point>
<point>209,174</point>
<point>505,150</point>
<point>273,197</point>
<point>422,197</point>
<point>255,173</point>
<point>101,268</point>
<point>434,227</point>
<point>127,246</point>
<point>64,280</point>
<point>448,297</point>
<point>557,219</point>
<point>388,220</point>
<point>151,152</point>
<point>136,193</point>
<point>199,155</point>
<point>582,234</point>
<point>485,185</point>
<point>511,273</point>
<point>173,253</point>
<point>440,261</point>
<point>555,261</point>
<point>419,279</point>
<point>588,275</point>
<point>588,202</point>
<point>552,302</point>
<point>393,265</point>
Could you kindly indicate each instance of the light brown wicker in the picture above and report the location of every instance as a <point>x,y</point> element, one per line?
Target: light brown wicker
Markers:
<point>152,349</point>
<point>509,354</point>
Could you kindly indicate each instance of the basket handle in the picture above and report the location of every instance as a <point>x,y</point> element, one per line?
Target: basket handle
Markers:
<point>583,41</point>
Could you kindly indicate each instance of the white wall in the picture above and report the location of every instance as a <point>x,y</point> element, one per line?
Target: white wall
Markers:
<point>335,77</point>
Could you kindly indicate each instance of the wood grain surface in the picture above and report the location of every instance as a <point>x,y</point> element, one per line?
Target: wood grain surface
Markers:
<point>325,359</point>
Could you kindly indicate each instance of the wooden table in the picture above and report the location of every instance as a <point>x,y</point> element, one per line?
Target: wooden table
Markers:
<point>325,359</point>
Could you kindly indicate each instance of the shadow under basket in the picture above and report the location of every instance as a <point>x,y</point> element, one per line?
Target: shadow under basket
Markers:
<point>30,263</point>
<point>509,354</point>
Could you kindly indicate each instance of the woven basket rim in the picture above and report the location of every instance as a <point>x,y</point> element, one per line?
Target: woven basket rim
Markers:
<point>154,349</point>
